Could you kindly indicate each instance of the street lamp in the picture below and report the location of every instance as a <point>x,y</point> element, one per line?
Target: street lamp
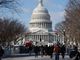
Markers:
<point>57,37</point>
<point>64,36</point>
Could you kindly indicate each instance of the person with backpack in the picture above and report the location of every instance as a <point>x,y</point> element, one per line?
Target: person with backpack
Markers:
<point>57,51</point>
<point>1,52</point>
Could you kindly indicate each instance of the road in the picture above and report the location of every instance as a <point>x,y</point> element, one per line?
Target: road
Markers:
<point>33,58</point>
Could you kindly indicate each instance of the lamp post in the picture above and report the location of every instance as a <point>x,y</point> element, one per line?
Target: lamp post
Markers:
<point>64,36</point>
<point>57,37</point>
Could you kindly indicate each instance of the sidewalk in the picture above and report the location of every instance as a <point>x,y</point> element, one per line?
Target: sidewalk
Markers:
<point>33,58</point>
<point>21,55</point>
<point>29,58</point>
<point>18,55</point>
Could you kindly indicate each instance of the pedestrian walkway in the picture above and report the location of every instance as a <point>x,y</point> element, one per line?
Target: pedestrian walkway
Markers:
<point>33,58</point>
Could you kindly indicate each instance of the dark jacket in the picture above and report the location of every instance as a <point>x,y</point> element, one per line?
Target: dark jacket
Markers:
<point>1,51</point>
<point>77,56</point>
<point>72,53</point>
<point>63,49</point>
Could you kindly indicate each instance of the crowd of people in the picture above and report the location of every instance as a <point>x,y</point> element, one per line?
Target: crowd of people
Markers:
<point>52,50</point>
<point>56,50</point>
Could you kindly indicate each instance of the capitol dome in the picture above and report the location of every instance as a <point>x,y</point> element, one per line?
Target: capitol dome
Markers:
<point>40,9</point>
<point>40,26</point>
<point>40,17</point>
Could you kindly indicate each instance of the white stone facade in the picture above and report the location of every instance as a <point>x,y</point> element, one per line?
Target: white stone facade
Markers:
<point>40,25</point>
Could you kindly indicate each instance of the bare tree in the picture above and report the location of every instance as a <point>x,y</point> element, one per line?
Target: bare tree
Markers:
<point>9,29</point>
<point>73,15</point>
<point>11,6</point>
<point>8,3</point>
<point>72,20</point>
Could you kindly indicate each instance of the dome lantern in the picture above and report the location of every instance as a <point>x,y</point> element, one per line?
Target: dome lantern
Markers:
<point>41,2</point>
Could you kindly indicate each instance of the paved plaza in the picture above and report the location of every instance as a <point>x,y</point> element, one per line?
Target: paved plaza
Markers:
<point>33,58</point>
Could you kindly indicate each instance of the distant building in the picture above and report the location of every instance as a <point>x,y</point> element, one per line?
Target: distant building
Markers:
<point>40,26</point>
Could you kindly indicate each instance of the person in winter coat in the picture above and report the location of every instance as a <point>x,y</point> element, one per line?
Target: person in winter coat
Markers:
<point>50,51</point>
<point>36,50</point>
<point>42,50</point>
<point>1,52</point>
<point>63,51</point>
<point>73,52</point>
<point>57,51</point>
<point>77,56</point>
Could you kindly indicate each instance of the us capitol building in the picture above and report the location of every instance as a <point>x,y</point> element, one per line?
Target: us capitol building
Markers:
<point>40,26</point>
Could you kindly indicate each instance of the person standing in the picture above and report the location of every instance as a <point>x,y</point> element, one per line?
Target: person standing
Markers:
<point>63,51</point>
<point>57,51</point>
<point>42,50</point>
<point>46,50</point>
<point>36,50</point>
<point>77,56</point>
<point>73,52</point>
<point>1,52</point>
<point>50,51</point>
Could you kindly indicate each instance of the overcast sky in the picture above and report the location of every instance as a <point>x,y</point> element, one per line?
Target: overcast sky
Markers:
<point>55,9</point>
